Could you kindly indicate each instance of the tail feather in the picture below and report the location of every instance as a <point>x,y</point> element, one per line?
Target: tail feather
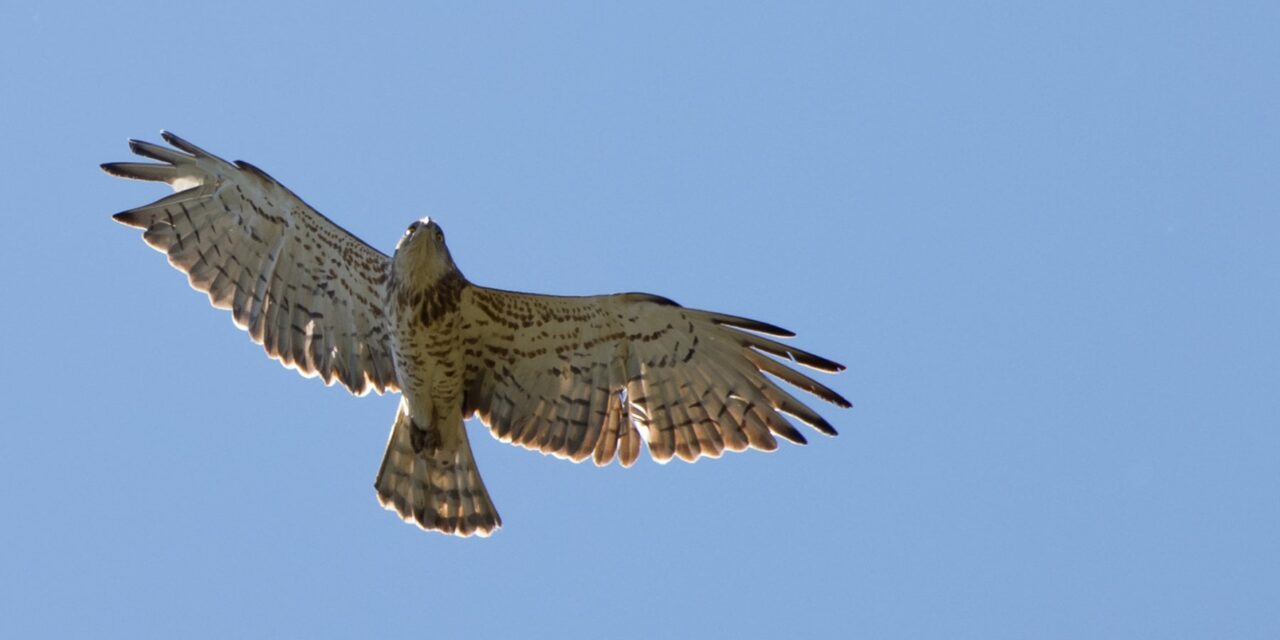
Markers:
<point>438,488</point>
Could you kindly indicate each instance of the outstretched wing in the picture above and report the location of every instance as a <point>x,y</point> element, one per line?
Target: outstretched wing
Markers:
<point>575,377</point>
<point>304,288</point>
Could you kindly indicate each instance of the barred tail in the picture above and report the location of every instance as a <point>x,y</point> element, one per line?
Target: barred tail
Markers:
<point>436,487</point>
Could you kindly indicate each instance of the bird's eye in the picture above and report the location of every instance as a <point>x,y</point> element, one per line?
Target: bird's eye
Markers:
<point>411,228</point>
<point>439,236</point>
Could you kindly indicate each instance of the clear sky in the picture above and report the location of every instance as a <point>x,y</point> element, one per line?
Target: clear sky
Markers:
<point>1042,238</point>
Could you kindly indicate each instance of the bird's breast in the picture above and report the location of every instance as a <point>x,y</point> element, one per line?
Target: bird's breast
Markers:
<point>428,348</point>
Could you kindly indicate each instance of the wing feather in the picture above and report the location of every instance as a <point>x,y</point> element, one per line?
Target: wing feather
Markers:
<point>304,288</point>
<point>583,441</point>
<point>607,444</point>
<point>719,393</point>
<point>688,446</point>
<point>593,376</point>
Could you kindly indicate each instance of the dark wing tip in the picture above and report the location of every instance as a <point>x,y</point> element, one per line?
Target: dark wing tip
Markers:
<point>254,170</point>
<point>142,171</point>
<point>180,143</point>
<point>771,329</point>
<point>128,218</point>
<point>636,296</point>
<point>157,152</point>
<point>792,435</point>
<point>751,325</point>
<point>826,428</point>
<point>760,327</point>
<point>816,361</point>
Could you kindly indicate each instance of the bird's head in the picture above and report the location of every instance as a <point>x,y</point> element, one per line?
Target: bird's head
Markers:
<point>422,252</point>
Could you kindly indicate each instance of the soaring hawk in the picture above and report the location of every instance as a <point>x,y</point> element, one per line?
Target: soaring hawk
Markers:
<point>573,377</point>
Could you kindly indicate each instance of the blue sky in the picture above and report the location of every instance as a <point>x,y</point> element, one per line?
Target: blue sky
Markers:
<point>1042,238</point>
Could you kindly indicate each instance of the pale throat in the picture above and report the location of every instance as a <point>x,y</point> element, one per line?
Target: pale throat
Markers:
<point>424,266</point>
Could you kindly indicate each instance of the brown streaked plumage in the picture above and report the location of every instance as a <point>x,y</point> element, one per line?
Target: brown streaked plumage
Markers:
<point>573,377</point>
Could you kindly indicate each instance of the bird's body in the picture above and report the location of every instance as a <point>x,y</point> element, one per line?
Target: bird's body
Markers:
<point>573,377</point>
<point>433,479</point>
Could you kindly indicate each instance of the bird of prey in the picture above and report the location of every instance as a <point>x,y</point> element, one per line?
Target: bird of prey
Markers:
<point>572,377</point>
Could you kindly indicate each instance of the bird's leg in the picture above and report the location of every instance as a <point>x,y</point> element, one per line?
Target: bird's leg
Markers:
<point>423,439</point>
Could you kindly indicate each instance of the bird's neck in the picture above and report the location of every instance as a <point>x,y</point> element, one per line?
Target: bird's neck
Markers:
<point>425,294</point>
